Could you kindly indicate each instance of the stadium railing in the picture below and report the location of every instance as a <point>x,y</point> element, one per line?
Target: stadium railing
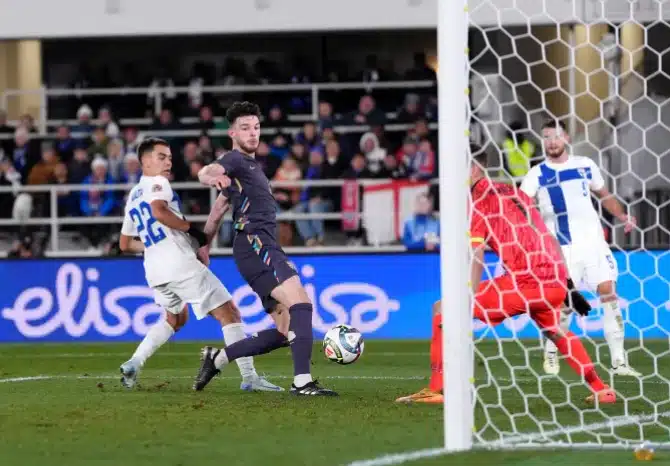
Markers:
<point>185,133</point>
<point>43,121</point>
<point>54,222</point>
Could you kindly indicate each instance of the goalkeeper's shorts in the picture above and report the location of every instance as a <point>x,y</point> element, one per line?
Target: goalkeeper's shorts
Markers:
<point>500,298</point>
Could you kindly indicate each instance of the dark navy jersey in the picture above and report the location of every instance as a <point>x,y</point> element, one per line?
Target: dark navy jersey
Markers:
<point>254,206</point>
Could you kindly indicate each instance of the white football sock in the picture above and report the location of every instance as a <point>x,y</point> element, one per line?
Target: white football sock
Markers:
<point>301,380</point>
<point>564,323</point>
<point>221,359</point>
<point>614,332</point>
<point>157,336</point>
<point>233,333</point>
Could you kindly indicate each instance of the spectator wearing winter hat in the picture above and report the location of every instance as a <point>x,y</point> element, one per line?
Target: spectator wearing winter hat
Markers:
<point>84,126</point>
<point>374,154</point>
<point>97,202</point>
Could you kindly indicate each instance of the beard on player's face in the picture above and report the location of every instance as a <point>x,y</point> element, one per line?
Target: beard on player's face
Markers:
<point>249,146</point>
<point>555,150</point>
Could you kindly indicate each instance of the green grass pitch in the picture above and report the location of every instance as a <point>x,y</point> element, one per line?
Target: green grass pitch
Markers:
<point>81,416</point>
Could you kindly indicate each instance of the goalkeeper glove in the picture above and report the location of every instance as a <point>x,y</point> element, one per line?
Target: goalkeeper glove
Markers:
<point>576,301</point>
<point>199,235</point>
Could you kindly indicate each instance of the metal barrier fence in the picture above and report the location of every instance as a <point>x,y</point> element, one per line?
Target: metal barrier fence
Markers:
<point>157,94</point>
<point>186,133</point>
<point>54,222</point>
<point>652,233</point>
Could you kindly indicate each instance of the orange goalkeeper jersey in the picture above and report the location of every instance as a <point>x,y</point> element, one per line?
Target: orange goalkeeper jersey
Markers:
<point>507,221</point>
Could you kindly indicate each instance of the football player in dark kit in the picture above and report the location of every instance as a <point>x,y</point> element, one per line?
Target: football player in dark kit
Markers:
<point>258,257</point>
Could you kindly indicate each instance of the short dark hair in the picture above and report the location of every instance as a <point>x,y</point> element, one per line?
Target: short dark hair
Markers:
<point>554,123</point>
<point>147,146</point>
<point>241,109</point>
<point>479,155</point>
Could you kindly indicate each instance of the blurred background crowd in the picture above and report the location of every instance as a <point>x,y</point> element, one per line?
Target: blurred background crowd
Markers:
<point>96,139</point>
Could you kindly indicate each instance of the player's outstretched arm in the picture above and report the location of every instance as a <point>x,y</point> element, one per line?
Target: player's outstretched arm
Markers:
<point>214,175</point>
<point>129,245</point>
<point>614,207</point>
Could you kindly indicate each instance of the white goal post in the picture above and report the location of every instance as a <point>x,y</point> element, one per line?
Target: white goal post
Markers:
<point>599,67</point>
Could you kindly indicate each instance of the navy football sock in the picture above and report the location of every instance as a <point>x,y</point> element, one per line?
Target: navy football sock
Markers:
<point>264,342</point>
<point>300,337</point>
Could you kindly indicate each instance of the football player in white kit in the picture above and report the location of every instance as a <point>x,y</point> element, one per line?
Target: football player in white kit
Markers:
<point>172,267</point>
<point>562,185</point>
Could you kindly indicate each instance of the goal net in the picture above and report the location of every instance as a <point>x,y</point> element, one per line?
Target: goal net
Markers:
<point>599,67</point>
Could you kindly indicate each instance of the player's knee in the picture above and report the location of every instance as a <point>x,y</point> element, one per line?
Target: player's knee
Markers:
<point>177,321</point>
<point>227,313</point>
<point>606,291</point>
<point>290,293</point>
<point>281,318</point>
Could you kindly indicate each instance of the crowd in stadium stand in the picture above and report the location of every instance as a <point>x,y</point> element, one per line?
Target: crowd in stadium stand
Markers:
<point>99,149</point>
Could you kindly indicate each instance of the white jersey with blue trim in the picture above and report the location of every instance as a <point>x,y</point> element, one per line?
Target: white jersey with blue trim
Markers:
<point>563,192</point>
<point>169,255</point>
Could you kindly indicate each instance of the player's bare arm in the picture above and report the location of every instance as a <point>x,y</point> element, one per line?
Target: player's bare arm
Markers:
<point>477,268</point>
<point>212,225</point>
<point>214,175</point>
<point>614,207</point>
<point>130,245</point>
<point>161,212</point>
<point>215,217</point>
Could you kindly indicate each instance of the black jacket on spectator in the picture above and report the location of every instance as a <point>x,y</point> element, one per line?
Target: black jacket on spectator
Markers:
<point>333,171</point>
<point>6,199</point>
<point>78,171</point>
<point>375,118</point>
<point>351,174</point>
<point>397,173</point>
<point>6,145</point>
<point>25,158</point>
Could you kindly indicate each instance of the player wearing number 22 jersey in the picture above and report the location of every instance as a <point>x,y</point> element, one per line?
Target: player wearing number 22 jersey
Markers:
<point>535,280</point>
<point>168,243</point>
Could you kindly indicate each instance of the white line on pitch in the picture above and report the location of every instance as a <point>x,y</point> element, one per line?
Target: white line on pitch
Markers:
<point>165,354</point>
<point>116,377</point>
<point>335,377</point>
<point>399,458</point>
<point>618,421</point>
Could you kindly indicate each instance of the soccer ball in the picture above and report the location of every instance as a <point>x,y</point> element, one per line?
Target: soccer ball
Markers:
<point>343,344</point>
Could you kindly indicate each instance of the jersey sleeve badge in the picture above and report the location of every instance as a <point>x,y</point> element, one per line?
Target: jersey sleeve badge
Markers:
<point>156,188</point>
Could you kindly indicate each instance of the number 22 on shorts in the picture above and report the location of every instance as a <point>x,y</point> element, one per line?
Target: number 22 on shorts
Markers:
<point>145,223</point>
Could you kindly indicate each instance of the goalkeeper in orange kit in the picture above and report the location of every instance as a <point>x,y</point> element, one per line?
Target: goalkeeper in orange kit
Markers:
<point>536,280</point>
